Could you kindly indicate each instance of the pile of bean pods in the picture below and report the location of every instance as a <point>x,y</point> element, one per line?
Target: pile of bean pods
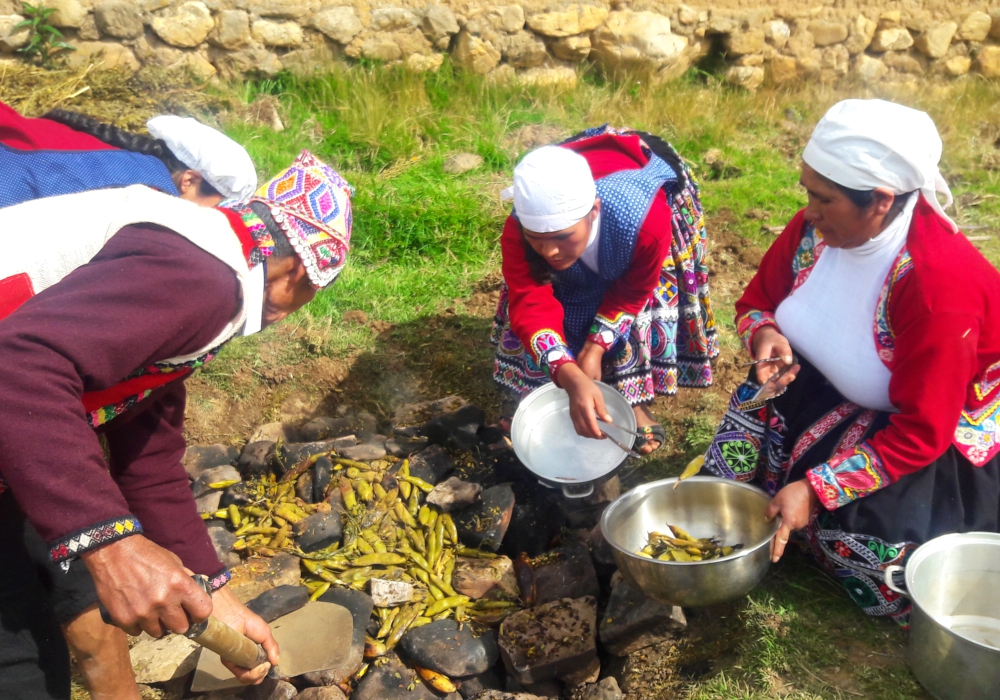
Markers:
<point>680,546</point>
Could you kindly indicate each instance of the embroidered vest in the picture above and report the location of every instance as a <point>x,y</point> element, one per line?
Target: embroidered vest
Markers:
<point>29,175</point>
<point>31,264</point>
<point>625,200</point>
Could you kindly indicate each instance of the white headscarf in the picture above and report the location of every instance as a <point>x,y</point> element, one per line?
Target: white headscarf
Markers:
<point>553,189</point>
<point>865,144</point>
<point>221,161</point>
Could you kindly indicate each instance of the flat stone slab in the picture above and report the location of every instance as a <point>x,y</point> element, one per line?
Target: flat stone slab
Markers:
<point>441,646</point>
<point>259,575</point>
<point>317,531</point>
<point>453,494</point>
<point>392,681</point>
<point>279,601</point>
<point>565,572</point>
<point>215,475</point>
<point>484,524</point>
<point>492,579</point>
<point>364,452</point>
<point>550,640</point>
<point>633,621</point>
<point>198,458</point>
<point>431,465</point>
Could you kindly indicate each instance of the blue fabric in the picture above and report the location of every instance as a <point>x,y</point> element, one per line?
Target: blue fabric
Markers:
<point>28,175</point>
<point>625,200</point>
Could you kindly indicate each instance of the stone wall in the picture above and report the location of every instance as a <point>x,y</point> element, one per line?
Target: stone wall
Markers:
<point>534,40</point>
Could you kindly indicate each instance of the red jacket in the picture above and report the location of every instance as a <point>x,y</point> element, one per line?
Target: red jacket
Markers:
<point>533,308</point>
<point>30,134</point>
<point>937,329</point>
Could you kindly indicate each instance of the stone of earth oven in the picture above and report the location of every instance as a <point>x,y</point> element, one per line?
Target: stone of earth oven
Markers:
<point>431,465</point>
<point>583,676</point>
<point>390,681</point>
<point>274,432</point>
<point>456,429</point>
<point>605,690</point>
<point>259,575</point>
<point>161,660</point>
<point>565,572</point>
<point>339,23</point>
<point>209,503</point>
<point>975,27</point>
<point>318,531</point>
<point>501,695</point>
<point>324,428</point>
<point>186,27</point>
<point>255,459</point>
<point>485,523</point>
<point>471,686</point>
<point>198,458</point>
<point>237,494</point>
<point>360,605</point>
<point>215,475</point>
<point>441,646</point>
<point>492,579</point>
<point>279,601</point>
<point>322,475</point>
<point>549,640</point>
<point>328,693</point>
<point>304,486</point>
<point>633,621</point>
<point>404,447</point>
<point>453,494</point>
<point>936,41</point>
<point>271,690</point>
<point>119,19</point>
<point>364,452</point>
<point>223,541</point>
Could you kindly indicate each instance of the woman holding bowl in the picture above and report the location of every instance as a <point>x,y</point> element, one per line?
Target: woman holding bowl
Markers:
<point>871,414</point>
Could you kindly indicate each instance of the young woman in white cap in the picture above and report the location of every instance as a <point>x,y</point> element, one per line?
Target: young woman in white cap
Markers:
<point>604,277</point>
<point>879,326</point>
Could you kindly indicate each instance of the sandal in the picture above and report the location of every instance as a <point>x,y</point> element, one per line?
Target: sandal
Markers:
<point>653,433</point>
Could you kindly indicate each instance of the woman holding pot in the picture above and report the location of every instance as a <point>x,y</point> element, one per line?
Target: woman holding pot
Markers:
<point>872,412</point>
<point>604,277</point>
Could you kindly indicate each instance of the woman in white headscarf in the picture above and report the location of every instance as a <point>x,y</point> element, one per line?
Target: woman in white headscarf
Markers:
<point>872,412</point>
<point>604,277</point>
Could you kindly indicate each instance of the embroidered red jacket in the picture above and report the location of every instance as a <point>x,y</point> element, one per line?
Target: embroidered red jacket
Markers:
<point>936,329</point>
<point>536,316</point>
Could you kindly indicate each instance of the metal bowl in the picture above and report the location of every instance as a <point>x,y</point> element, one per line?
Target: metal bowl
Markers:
<point>705,506</point>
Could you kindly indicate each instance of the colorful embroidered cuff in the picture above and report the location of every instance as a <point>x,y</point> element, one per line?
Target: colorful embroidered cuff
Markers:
<point>848,477</point>
<point>608,331</point>
<point>556,363</point>
<point>751,322</point>
<point>219,580</point>
<point>72,546</point>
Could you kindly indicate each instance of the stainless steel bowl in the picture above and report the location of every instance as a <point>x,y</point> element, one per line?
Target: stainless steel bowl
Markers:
<point>705,506</point>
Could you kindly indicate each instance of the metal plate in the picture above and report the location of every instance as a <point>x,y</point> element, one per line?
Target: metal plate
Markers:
<point>546,442</point>
<point>315,637</point>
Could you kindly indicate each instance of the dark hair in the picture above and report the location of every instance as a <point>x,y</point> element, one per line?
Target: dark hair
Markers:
<point>127,141</point>
<point>540,270</point>
<point>282,248</point>
<point>862,199</point>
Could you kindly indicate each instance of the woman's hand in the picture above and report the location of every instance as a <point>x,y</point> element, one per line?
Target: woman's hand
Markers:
<point>768,342</point>
<point>586,402</point>
<point>795,504</point>
<point>590,359</point>
<point>230,610</point>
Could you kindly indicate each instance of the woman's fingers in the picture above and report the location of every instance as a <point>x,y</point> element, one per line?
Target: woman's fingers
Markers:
<point>779,542</point>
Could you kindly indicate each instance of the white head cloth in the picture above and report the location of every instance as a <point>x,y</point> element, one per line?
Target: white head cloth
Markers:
<point>865,144</point>
<point>221,161</point>
<point>553,189</point>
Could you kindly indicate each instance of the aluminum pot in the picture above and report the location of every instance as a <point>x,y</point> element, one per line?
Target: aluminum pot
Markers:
<point>954,646</point>
<point>546,442</point>
<point>705,506</point>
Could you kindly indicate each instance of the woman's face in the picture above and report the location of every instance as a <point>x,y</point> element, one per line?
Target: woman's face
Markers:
<point>842,223</point>
<point>560,249</point>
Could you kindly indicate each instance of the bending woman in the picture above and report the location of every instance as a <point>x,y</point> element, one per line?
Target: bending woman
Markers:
<point>886,434</point>
<point>604,277</point>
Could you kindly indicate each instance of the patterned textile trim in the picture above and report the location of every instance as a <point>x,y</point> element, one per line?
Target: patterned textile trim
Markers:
<point>820,428</point>
<point>977,435</point>
<point>807,255</point>
<point>856,432</point>
<point>606,332</point>
<point>548,346</point>
<point>884,337</point>
<point>72,546</point>
<point>989,382</point>
<point>106,413</point>
<point>751,322</point>
<point>846,478</point>
<point>858,561</point>
<point>219,580</point>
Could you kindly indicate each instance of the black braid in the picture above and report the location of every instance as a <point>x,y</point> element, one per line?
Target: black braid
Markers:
<point>127,141</point>
<point>282,248</point>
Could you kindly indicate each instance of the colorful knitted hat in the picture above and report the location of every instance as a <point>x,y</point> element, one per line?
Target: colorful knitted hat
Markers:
<point>311,204</point>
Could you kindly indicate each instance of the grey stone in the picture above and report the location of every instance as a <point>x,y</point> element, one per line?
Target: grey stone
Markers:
<point>439,23</point>
<point>236,494</point>
<point>209,503</point>
<point>441,646</point>
<point>327,693</point>
<point>271,690</point>
<point>431,465</point>
<point>318,531</point>
<point>453,493</point>
<point>485,523</point>
<point>585,675</point>
<point>419,413</point>
<point>198,458</point>
<point>325,428</point>
<point>258,575</point>
<point>605,690</point>
<point>215,475</point>
<point>501,695</point>
<point>568,573</point>
<point>462,163</point>
<point>321,477</point>
<point>472,686</point>
<point>161,660</point>
<point>364,452</point>
<point>304,486</point>
<point>119,19</point>
<point>255,459</point>
<point>290,455</point>
<point>391,681</point>
<point>274,432</point>
<point>551,640</point>
<point>492,579</point>
<point>404,447</point>
<point>457,429</point>
<point>223,541</point>
<point>279,601</point>
<point>633,621</point>
<point>360,606</point>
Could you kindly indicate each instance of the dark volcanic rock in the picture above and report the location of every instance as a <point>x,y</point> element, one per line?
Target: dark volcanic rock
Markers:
<point>271,690</point>
<point>400,446</point>
<point>318,531</point>
<point>535,521</point>
<point>237,494</point>
<point>364,452</point>
<point>414,414</point>
<point>582,676</point>
<point>567,572</point>
<point>215,475</point>
<point>279,601</point>
<point>391,681</point>
<point>551,640</point>
<point>287,456</point>
<point>322,474</point>
<point>492,579</point>
<point>458,429</point>
<point>198,458</point>
<point>326,428</point>
<point>304,486</point>
<point>327,693</point>
<point>442,647</point>
<point>632,621</point>
<point>255,460</point>
<point>360,604</point>
<point>485,523</point>
<point>605,690</point>
<point>474,685</point>
<point>223,540</point>
<point>432,465</point>
<point>453,493</point>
